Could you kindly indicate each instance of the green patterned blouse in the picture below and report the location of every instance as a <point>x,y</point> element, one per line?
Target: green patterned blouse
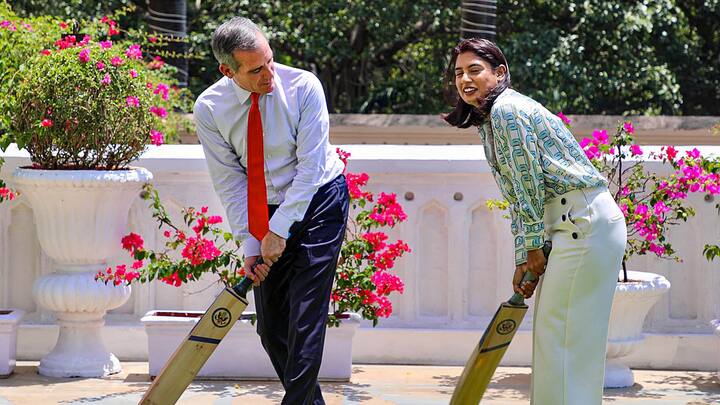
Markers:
<point>534,158</point>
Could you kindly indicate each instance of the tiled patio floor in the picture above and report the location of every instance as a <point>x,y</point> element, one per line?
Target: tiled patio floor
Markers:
<point>371,384</point>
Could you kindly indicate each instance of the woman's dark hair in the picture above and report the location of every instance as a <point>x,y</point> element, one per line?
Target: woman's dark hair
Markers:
<point>464,115</point>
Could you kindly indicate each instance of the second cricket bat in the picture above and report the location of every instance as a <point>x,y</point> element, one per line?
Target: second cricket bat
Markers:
<point>486,357</point>
<point>191,355</point>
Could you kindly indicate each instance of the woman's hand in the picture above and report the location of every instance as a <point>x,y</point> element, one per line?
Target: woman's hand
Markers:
<point>536,262</point>
<point>527,288</point>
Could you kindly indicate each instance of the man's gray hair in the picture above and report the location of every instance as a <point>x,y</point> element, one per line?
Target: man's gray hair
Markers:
<point>239,33</point>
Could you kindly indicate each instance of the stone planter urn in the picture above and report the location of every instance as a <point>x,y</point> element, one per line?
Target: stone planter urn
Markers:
<point>630,306</point>
<point>240,355</point>
<point>9,322</point>
<point>81,217</point>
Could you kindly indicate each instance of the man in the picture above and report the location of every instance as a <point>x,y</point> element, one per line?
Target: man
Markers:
<point>264,128</point>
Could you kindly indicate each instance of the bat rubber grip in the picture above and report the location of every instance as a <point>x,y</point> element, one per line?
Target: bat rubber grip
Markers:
<point>246,283</point>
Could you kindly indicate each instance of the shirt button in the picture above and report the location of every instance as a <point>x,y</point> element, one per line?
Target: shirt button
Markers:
<point>574,235</point>
<point>563,201</point>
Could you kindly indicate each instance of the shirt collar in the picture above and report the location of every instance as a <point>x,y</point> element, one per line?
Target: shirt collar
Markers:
<point>243,95</point>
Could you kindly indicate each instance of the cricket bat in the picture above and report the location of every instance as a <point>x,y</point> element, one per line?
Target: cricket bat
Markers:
<point>193,352</point>
<point>485,358</point>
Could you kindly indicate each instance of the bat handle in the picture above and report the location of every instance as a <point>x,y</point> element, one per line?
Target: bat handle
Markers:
<point>518,299</point>
<point>246,283</point>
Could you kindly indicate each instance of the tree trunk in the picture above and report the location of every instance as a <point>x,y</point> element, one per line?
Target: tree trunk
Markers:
<point>169,19</point>
<point>478,19</point>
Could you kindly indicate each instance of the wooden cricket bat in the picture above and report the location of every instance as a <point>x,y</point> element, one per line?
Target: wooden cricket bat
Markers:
<point>191,355</point>
<point>486,357</point>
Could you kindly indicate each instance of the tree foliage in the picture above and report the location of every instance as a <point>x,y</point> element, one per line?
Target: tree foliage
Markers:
<point>581,56</point>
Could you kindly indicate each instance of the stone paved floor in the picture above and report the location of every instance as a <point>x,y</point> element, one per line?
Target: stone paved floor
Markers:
<point>371,384</point>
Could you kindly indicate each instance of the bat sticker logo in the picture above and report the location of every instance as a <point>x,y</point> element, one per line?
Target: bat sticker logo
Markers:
<point>506,327</point>
<point>221,317</point>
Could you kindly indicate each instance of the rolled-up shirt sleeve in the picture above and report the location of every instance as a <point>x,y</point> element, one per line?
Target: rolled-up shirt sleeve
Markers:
<point>229,177</point>
<point>313,149</point>
<point>516,139</point>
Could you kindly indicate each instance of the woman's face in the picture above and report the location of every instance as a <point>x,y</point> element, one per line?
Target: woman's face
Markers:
<point>475,78</point>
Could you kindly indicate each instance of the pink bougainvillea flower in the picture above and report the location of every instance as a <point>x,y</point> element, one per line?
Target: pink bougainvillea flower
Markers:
<point>133,73</point>
<point>132,101</point>
<point>100,65</point>
<point>116,61</point>
<point>106,79</point>
<point>159,111</point>
<point>635,150</point>
<point>134,52</point>
<point>628,126</point>
<point>84,55</point>
<point>132,242</point>
<point>106,44</point>
<point>156,137</point>
<point>564,118</point>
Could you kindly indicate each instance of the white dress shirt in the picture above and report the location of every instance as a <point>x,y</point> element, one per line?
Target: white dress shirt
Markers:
<point>298,156</point>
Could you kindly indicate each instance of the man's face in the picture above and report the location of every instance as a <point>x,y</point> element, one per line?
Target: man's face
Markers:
<point>255,68</point>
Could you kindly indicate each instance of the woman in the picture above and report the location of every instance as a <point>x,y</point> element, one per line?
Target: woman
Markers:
<point>555,193</point>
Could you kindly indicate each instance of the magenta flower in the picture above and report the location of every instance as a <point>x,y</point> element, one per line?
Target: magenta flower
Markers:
<point>100,65</point>
<point>106,79</point>
<point>564,118</point>
<point>84,55</point>
<point>106,44</point>
<point>159,111</point>
<point>133,73</point>
<point>695,153</point>
<point>635,150</point>
<point>46,52</point>
<point>156,137</point>
<point>134,52</point>
<point>629,127</point>
<point>116,61</point>
<point>47,123</point>
<point>132,101</point>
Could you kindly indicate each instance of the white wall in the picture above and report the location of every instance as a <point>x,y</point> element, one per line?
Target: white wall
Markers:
<point>459,271</point>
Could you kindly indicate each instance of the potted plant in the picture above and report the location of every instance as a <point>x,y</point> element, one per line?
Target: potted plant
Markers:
<point>84,106</point>
<point>363,282</point>
<point>652,204</point>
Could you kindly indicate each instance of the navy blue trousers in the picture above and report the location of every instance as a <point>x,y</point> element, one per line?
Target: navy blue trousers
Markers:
<point>293,302</point>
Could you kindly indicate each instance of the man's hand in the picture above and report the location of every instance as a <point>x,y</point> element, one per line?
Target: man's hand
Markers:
<point>258,274</point>
<point>272,247</point>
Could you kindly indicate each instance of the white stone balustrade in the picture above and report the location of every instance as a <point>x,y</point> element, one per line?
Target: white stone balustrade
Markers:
<point>460,268</point>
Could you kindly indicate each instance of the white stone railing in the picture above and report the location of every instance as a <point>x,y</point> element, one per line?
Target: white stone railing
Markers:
<point>459,271</point>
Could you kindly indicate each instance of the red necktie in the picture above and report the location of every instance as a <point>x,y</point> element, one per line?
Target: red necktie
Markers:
<point>257,194</point>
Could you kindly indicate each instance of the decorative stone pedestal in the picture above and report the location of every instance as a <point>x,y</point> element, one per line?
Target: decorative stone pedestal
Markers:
<point>81,217</point>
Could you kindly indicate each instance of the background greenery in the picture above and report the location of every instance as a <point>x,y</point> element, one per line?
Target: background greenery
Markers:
<point>578,56</point>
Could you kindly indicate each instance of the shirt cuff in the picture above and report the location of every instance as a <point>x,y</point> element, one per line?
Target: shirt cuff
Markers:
<point>251,247</point>
<point>534,235</point>
<point>520,252</point>
<point>280,224</point>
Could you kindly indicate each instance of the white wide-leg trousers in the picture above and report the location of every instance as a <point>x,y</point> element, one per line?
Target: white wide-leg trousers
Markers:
<point>572,308</point>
